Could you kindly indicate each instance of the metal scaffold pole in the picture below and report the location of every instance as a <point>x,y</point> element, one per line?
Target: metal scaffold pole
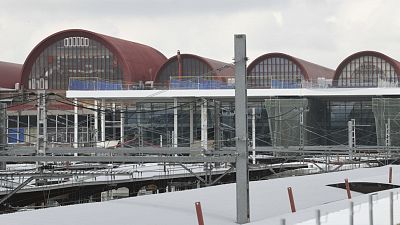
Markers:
<point>242,173</point>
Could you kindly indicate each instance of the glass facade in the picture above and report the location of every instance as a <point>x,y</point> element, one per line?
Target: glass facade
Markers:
<point>275,72</point>
<point>191,67</point>
<point>338,115</point>
<point>60,129</point>
<point>156,122</point>
<point>367,71</point>
<point>73,57</point>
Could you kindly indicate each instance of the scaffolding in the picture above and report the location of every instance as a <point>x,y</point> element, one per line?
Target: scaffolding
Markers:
<point>3,131</point>
<point>287,118</point>
<point>387,119</point>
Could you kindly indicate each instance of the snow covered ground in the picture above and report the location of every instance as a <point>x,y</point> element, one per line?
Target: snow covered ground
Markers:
<point>268,201</point>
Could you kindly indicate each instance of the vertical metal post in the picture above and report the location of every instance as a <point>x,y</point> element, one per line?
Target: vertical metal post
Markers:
<point>191,124</point>
<point>346,181</point>
<point>204,125</point>
<point>283,222</point>
<point>66,128</point>
<point>41,136</point>
<point>351,210</point>
<point>253,133</point>
<point>18,131</point>
<point>291,199</point>
<point>114,131</point>
<point>352,138</point>
<point>103,123</point>
<point>160,141</point>
<point>75,123</point>
<point>56,127</point>
<point>391,209</point>
<point>175,134</point>
<point>122,129</point>
<point>199,213</point>
<point>301,131</point>
<point>140,107</point>
<point>87,128</point>
<point>371,210</point>
<point>318,217</point>
<point>28,131</point>
<point>217,122</point>
<point>178,55</point>
<point>7,126</point>
<point>387,136</point>
<point>96,122</point>
<point>390,174</point>
<point>242,160</point>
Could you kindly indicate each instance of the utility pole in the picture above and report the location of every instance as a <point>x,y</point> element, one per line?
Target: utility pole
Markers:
<point>242,160</point>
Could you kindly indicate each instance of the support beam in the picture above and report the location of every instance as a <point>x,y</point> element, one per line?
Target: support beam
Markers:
<point>242,172</point>
<point>115,159</point>
<point>19,187</point>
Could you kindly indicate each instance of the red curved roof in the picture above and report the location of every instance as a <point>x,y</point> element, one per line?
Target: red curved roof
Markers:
<point>10,74</point>
<point>140,62</point>
<point>220,69</point>
<point>391,61</point>
<point>311,71</point>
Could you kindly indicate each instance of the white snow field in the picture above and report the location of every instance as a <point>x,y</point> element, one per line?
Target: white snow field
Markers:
<point>268,201</point>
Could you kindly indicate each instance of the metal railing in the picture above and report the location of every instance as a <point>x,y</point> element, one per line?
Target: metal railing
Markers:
<point>221,82</point>
<point>380,208</point>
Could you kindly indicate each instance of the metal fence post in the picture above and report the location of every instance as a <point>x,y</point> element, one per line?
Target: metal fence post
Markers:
<point>371,216</point>
<point>291,199</point>
<point>346,181</point>
<point>318,217</point>
<point>351,210</point>
<point>199,213</point>
<point>391,208</point>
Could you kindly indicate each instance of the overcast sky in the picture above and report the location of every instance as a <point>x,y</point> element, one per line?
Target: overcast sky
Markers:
<point>320,31</point>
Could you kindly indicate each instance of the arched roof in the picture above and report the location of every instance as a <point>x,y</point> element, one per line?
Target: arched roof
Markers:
<point>219,68</point>
<point>140,62</point>
<point>10,74</point>
<point>342,65</point>
<point>311,71</point>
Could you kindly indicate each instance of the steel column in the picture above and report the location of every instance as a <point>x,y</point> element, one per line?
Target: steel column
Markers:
<point>103,123</point>
<point>253,133</point>
<point>204,125</point>
<point>191,125</point>
<point>242,172</point>
<point>122,132</point>
<point>96,122</point>
<point>175,134</point>
<point>75,123</point>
